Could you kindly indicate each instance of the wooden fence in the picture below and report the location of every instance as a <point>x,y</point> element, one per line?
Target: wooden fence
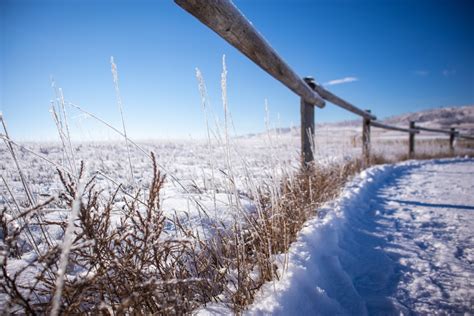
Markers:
<point>224,18</point>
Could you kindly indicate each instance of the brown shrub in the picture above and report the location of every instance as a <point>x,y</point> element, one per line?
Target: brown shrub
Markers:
<point>136,266</point>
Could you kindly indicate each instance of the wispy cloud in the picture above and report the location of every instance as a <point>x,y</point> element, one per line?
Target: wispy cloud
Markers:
<point>341,81</point>
<point>421,73</point>
<point>448,72</point>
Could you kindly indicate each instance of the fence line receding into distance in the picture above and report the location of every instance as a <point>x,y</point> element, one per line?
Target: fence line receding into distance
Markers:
<point>224,18</point>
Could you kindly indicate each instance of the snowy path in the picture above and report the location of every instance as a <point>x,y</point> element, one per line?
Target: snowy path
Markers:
<point>399,240</point>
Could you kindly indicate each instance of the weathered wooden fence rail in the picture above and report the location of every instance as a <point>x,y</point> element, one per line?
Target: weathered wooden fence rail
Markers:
<point>394,128</point>
<point>224,18</point>
<point>465,137</point>
<point>434,130</point>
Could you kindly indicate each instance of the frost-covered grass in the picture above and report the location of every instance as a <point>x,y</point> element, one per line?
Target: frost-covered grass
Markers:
<point>229,226</point>
<point>226,233</point>
<point>212,232</point>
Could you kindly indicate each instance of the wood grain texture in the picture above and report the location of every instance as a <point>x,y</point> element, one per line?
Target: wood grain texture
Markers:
<point>223,17</point>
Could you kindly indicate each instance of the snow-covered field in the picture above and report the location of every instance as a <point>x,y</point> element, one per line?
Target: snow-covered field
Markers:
<point>196,164</point>
<point>397,241</point>
<point>218,179</point>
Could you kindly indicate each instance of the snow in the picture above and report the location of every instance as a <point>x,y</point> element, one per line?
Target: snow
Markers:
<point>354,258</point>
<point>398,240</point>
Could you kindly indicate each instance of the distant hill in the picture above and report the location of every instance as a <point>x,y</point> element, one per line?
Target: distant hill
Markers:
<point>460,117</point>
<point>445,117</point>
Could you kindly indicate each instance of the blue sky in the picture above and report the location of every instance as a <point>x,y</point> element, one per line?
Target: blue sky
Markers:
<point>392,57</point>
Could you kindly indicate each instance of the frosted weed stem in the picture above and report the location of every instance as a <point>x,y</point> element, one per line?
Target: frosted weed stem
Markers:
<point>120,106</point>
<point>31,198</point>
<point>204,103</point>
<point>60,119</point>
<point>62,168</point>
<point>232,186</point>
<point>29,234</point>
<point>68,134</point>
<point>57,121</point>
<point>26,187</point>
<point>169,174</point>
<point>66,248</point>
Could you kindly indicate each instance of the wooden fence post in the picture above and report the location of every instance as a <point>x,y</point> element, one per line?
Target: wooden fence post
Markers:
<point>411,141</point>
<point>366,140</point>
<point>307,127</point>
<point>452,136</point>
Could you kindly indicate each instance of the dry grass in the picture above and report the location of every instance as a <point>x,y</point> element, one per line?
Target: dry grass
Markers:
<point>136,266</point>
<point>127,257</point>
<point>133,266</point>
